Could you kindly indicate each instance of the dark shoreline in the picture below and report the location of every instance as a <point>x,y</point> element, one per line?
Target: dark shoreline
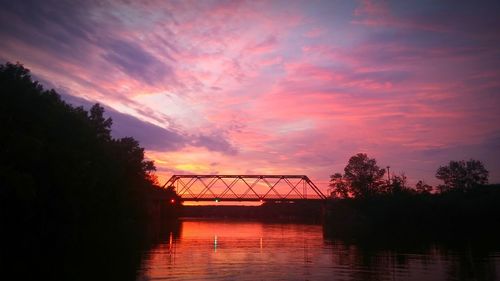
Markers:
<point>469,214</point>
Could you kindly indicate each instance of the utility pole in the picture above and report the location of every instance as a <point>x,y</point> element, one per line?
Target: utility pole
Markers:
<point>388,174</point>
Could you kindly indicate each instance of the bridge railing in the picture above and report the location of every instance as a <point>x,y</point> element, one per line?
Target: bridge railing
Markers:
<point>244,187</point>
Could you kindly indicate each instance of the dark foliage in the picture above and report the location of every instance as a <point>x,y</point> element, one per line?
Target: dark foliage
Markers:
<point>476,212</point>
<point>362,178</point>
<point>339,186</point>
<point>397,185</point>
<point>60,168</point>
<point>423,188</point>
<point>462,175</point>
<point>363,204</point>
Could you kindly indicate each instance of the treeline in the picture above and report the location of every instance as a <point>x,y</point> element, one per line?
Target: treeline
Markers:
<point>60,168</point>
<point>365,201</point>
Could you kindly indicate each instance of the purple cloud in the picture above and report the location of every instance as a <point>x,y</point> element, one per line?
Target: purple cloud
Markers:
<point>279,86</point>
<point>136,62</point>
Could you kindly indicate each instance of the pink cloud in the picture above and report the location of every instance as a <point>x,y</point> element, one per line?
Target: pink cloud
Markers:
<point>265,46</point>
<point>262,87</point>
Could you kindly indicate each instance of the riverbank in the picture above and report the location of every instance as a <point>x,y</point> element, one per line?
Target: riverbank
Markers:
<point>458,213</point>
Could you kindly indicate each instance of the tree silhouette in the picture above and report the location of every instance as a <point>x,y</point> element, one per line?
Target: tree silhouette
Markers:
<point>422,188</point>
<point>391,208</point>
<point>101,125</point>
<point>362,178</point>
<point>462,175</point>
<point>364,175</point>
<point>398,184</point>
<point>339,187</point>
<point>60,167</point>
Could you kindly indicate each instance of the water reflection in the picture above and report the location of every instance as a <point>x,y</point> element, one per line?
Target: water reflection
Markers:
<point>235,250</point>
<point>419,259</point>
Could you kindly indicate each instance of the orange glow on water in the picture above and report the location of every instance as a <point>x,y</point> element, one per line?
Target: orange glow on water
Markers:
<point>221,229</point>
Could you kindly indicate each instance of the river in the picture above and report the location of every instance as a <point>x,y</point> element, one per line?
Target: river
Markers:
<point>243,250</point>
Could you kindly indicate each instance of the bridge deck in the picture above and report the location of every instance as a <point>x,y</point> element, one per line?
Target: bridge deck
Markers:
<point>249,200</point>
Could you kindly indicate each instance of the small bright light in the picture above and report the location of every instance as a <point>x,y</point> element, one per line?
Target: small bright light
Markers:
<point>172,200</point>
<point>215,243</point>
<point>216,200</point>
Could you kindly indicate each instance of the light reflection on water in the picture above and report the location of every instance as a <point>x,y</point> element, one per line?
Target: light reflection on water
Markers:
<point>236,250</point>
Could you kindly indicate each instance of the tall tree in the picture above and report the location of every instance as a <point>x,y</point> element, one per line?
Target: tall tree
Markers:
<point>362,178</point>
<point>60,165</point>
<point>364,175</point>
<point>462,175</point>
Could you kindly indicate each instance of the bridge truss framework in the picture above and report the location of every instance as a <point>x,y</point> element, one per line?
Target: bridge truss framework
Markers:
<point>256,188</point>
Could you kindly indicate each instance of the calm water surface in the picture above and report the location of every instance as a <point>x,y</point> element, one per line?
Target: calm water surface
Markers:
<point>236,250</point>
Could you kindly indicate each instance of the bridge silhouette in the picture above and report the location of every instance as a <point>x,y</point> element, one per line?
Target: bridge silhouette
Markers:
<point>263,188</point>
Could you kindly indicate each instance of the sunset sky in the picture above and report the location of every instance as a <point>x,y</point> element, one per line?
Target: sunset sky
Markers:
<point>275,87</point>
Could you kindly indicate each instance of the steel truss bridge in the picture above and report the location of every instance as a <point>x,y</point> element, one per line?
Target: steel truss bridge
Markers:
<point>262,188</point>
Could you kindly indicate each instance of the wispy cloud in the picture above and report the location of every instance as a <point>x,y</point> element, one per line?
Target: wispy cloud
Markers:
<point>275,87</point>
